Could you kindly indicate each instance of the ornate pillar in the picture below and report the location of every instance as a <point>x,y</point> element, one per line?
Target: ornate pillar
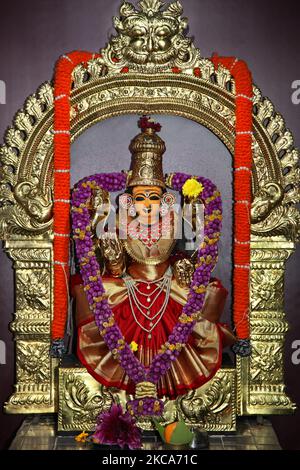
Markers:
<point>34,388</point>
<point>261,386</point>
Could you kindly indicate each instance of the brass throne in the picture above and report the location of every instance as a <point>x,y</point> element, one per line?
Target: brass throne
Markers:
<point>253,385</point>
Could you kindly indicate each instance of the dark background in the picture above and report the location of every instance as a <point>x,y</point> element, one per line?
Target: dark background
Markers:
<point>33,34</point>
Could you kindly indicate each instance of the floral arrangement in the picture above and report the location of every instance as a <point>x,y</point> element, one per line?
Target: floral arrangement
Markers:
<point>242,166</point>
<point>61,209</point>
<point>93,286</point>
<point>117,428</point>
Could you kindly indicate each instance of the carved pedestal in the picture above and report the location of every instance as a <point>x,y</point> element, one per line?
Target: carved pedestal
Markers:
<point>81,398</point>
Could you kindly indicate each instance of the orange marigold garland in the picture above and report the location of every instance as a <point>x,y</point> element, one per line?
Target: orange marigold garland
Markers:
<point>242,196</point>
<point>61,212</point>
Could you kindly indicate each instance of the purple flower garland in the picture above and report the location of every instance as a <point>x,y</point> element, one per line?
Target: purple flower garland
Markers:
<point>93,286</point>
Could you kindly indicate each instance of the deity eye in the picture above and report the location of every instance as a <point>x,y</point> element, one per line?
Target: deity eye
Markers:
<point>163,31</point>
<point>154,197</point>
<point>139,198</point>
<point>137,32</point>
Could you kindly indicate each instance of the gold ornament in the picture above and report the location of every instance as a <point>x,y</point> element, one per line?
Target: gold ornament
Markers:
<point>147,149</point>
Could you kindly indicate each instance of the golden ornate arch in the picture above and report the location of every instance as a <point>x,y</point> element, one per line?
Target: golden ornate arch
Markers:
<point>100,91</point>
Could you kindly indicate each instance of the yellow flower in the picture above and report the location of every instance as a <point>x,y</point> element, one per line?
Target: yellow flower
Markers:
<point>133,346</point>
<point>156,406</point>
<point>192,188</point>
<point>82,437</point>
<point>200,289</point>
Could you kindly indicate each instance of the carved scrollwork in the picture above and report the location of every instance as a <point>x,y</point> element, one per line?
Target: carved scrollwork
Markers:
<point>33,363</point>
<point>266,289</point>
<point>265,200</point>
<point>33,289</point>
<point>283,220</point>
<point>18,216</point>
<point>266,363</point>
<point>27,150</point>
<point>37,205</point>
<point>270,217</point>
<point>202,408</point>
<point>81,405</point>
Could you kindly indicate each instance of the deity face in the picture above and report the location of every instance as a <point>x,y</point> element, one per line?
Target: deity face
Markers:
<point>150,40</point>
<point>146,201</point>
<point>151,33</point>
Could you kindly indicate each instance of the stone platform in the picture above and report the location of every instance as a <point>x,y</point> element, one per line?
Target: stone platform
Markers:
<point>39,433</point>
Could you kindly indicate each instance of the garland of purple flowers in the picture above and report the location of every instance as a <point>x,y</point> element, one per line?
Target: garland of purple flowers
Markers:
<point>93,286</point>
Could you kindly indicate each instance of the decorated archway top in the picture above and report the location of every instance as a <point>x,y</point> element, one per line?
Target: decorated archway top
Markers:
<point>151,36</point>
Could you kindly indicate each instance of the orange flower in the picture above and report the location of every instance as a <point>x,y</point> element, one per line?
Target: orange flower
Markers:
<point>242,190</point>
<point>82,437</point>
<point>61,220</point>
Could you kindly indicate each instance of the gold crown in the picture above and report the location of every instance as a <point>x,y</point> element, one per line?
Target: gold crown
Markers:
<point>147,149</point>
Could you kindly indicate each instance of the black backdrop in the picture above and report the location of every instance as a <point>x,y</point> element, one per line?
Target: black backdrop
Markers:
<point>33,34</point>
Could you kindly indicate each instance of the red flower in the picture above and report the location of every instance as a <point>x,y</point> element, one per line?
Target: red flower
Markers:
<point>116,427</point>
<point>114,59</point>
<point>125,70</point>
<point>145,123</point>
<point>176,70</point>
<point>197,72</point>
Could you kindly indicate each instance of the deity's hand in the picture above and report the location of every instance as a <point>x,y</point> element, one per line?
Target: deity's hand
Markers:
<point>183,270</point>
<point>113,254</point>
<point>111,247</point>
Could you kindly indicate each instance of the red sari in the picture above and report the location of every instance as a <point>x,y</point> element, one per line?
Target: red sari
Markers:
<point>198,361</point>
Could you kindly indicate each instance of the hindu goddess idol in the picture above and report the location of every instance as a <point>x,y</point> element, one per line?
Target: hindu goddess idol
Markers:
<point>147,282</point>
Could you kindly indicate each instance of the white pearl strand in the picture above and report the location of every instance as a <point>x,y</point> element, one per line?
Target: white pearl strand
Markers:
<point>163,282</point>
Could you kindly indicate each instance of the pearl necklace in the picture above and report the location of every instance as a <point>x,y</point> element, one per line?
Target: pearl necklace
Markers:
<point>164,283</point>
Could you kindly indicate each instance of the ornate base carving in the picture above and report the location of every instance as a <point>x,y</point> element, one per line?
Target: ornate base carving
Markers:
<point>28,402</point>
<point>211,407</point>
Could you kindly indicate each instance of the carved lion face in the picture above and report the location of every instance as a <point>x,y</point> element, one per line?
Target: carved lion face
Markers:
<point>150,39</point>
<point>151,34</point>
